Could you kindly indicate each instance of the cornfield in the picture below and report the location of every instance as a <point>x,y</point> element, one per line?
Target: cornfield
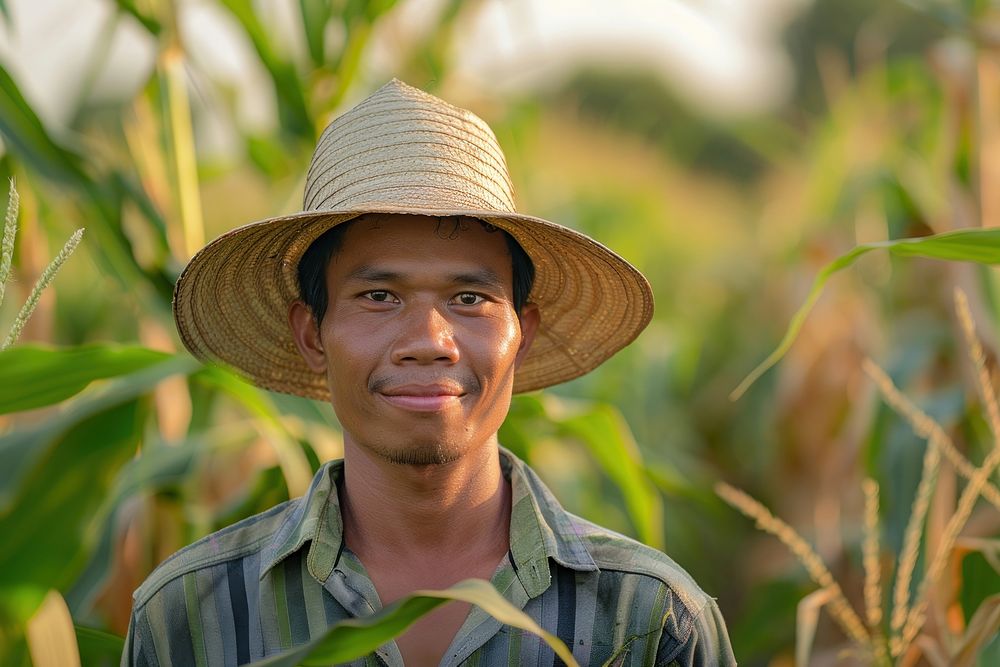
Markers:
<point>823,357</point>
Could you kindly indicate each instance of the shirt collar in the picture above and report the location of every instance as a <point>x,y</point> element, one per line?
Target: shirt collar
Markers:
<point>539,528</point>
<point>314,519</point>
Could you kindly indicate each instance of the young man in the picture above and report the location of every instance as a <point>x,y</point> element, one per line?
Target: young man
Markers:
<point>413,297</point>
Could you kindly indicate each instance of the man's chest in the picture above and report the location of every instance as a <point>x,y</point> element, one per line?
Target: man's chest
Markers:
<point>598,621</point>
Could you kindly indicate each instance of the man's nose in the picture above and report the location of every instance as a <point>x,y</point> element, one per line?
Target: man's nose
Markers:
<point>426,337</point>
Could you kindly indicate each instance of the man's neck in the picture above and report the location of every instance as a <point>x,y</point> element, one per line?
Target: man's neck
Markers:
<point>441,511</point>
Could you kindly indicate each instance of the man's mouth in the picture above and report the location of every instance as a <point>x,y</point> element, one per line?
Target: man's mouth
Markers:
<point>423,397</point>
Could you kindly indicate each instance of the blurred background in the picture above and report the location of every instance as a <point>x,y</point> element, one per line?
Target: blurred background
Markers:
<point>728,148</point>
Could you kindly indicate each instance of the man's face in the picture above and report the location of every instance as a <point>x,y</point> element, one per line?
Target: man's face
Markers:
<point>420,340</point>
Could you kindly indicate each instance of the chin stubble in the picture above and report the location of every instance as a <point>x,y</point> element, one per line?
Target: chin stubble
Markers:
<point>421,456</point>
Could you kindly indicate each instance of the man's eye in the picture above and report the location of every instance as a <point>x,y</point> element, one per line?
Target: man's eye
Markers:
<point>381,296</point>
<point>469,299</point>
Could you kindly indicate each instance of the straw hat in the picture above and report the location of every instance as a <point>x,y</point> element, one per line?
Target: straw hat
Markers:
<point>402,150</point>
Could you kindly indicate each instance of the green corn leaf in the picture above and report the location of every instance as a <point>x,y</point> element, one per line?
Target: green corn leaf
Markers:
<point>965,245</point>
<point>58,475</point>
<point>609,440</point>
<point>315,15</point>
<point>46,525</point>
<point>149,23</point>
<point>157,468</point>
<point>292,108</point>
<point>33,376</point>
<point>22,451</point>
<point>250,397</point>
<point>366,10</point>
<point>602,430</point>
<point>28,139</point>
<point>294,464</point>
<point>357,637</point>
<point>97,648</point>
<point>24,133</point>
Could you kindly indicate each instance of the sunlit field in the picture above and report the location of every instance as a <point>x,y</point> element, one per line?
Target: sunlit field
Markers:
<point>841,503</point>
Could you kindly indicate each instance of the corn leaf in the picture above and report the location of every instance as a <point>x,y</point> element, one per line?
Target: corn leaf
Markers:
<point>806,620</point>
<point>159,466</point>
<point>23,131</point>
<point>33,377</point>
<point>965,245</point>
<point>292,109</point>
<point>601,429</point>
<point>990,549</point>
<point>607,437</point>
<point>982,628</point>
<point>99,649</point>
<point>315,15</point>
<point>357,637</point>
<point>148,22</point>
<point>22,451</point>
<point>45,527</point>
<point>367,10</point>
<point>28,139</point>
<point>294,464</point>
<point>51,637</point>
<point>930,649</point>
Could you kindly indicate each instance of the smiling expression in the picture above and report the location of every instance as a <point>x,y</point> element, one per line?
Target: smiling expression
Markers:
<point>420,340</point>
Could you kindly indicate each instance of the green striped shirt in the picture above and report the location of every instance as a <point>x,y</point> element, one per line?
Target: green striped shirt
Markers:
<point>279,578</point>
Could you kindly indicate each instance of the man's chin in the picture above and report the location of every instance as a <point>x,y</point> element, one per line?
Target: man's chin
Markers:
<point>420,455</point>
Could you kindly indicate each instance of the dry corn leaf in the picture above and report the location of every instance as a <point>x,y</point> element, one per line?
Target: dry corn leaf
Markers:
<point>51,635</point>
<point>983,627</point>
<point>806,619</point>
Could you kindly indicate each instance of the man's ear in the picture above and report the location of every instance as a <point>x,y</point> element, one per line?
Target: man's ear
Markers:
<point>530,319</point>
<point>305,331</point>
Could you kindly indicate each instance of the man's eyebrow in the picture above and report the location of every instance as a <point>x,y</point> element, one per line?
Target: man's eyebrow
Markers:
<point>481,278</point>
<point>372,274</point>
<point>484,277</point>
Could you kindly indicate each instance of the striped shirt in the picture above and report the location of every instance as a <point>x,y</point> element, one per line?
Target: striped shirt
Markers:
<point>280,578</point>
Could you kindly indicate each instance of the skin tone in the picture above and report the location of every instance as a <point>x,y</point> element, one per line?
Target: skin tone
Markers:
<point>419,346</point>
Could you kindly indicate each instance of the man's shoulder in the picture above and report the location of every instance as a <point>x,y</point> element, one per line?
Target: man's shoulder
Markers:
<point>615,552</point>
<point>693,629</point>
<point>238,541</point>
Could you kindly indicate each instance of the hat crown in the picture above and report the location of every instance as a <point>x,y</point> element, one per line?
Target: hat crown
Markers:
<point>402,147</point>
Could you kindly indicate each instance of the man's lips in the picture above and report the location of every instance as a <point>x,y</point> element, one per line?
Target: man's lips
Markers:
<point>423,397</point>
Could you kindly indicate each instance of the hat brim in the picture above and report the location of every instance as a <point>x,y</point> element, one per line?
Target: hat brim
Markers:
<point>231,302</point>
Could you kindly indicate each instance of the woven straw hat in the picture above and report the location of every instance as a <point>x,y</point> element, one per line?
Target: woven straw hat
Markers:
<point>402,150</point>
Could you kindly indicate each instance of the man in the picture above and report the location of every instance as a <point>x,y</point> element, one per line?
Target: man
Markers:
<point>413,297</point>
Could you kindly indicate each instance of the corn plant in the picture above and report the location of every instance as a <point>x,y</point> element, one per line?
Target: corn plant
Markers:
<point>906,638</point>
<point>6,260</point>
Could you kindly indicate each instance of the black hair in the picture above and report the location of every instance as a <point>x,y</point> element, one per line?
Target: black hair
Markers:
<point>312,267</point>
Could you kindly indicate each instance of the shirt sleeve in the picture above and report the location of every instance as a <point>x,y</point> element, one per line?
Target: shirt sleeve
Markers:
<point>133,654</point>
<point>707,644</point>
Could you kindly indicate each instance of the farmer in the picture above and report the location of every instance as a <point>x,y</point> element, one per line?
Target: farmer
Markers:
<point>411,296</point>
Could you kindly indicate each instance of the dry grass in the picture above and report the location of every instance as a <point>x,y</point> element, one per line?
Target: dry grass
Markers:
<point>840,608</point>
<point>873,568</point>
<point>924,426</point>
<point>907,619</point>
